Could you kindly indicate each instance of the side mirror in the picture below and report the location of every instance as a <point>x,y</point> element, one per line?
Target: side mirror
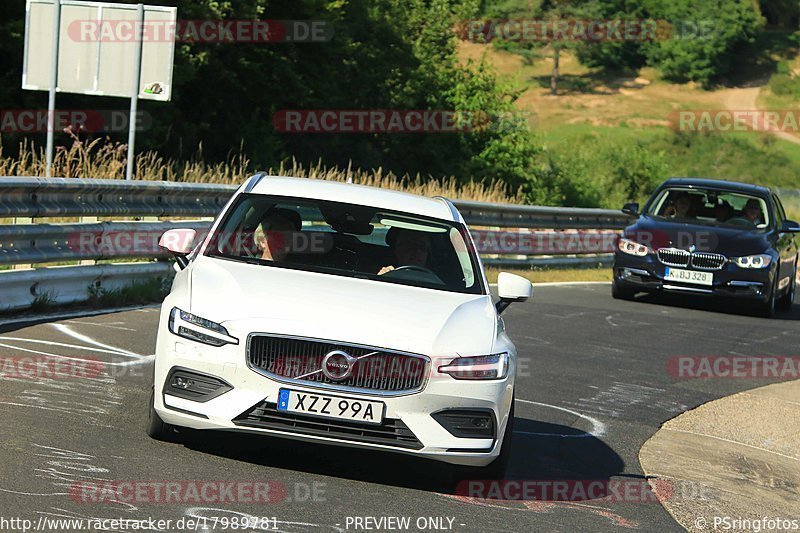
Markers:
<point>179,242</point>
<point>512,288</point>
<point>790,226</point>
<point>631,209</point>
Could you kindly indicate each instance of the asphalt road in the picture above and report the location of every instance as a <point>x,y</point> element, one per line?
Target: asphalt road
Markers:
<point>593,388</point>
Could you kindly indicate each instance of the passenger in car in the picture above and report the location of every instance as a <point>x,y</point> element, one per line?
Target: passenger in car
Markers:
<point>278,226</point>
<point>681,207</point>
<point>409,248</point>
<point>752,211</point>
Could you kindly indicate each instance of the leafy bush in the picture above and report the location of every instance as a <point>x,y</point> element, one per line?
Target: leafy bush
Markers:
<point>785,85</point>
<point>697,40</point>
<point>596,171</point>
<point>708,52</point>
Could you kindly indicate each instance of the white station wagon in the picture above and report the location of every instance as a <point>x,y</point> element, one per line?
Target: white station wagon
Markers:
<point>339,314</point>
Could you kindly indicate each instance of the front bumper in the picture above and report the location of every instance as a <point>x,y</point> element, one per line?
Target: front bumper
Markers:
<point>249,406</point>
<point>646,274</point>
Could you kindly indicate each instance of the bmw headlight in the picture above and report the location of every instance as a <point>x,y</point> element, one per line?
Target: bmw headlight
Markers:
<point>198,329</point>
<point>632,247</point>
<point>753,261</point>
<point>481,367</point>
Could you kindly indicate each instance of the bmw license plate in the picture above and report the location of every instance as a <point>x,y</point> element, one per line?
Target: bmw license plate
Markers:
<point>689,276</point>
<point>324,405</point>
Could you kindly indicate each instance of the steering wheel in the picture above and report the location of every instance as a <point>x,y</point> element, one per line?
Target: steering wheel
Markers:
<point>415,267</point>
<point>740,221</point>
<point>429,275</point>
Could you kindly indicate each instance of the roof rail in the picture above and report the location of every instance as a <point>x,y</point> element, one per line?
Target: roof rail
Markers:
<point>253,181</point>
<point>448,203</point>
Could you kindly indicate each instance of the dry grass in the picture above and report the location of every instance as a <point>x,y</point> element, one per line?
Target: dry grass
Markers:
<point>554,274</point>
<point>103,159</point>
<point>590,97</point>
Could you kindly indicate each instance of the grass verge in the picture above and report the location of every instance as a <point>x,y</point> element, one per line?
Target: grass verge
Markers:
<point>135,293</point>
<point>103,159</point>
<point>544,275</point>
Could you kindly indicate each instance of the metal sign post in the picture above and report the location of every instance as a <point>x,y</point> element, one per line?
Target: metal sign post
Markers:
<point>98,49</point>
<point>51,102</point>
<point>137,80</point>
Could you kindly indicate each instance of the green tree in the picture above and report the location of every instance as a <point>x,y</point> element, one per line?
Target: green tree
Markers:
<point>707,35</point>
<point>384,54</point>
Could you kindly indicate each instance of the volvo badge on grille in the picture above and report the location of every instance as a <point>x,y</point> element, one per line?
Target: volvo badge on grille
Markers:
<point>338,365</point>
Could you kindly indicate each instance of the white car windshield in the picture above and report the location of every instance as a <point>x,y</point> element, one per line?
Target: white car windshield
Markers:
<point>348,240</point>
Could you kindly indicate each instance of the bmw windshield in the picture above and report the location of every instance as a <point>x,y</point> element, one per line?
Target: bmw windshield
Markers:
<point>710,207</point>
<point>348,240</point>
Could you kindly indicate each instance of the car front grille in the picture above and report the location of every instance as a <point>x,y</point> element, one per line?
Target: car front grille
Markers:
<point>391,432</point>
<point>375,370</point>
<point>673,257</point>
<point>699,260</point>
<point>706,261</point>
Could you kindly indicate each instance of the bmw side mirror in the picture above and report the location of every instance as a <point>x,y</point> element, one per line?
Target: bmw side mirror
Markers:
<point>631,209</point>
<point>179,242</point>
<point>512,288</point>
<point>790,226</point>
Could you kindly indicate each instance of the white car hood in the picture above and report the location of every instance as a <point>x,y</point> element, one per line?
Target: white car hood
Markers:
<point>248,298</point>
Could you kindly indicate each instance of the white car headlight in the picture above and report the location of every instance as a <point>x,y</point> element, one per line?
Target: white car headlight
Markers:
<point>481,367</point>
<point>632,247</point>
<point>198,329</point>
<point>753,261</point>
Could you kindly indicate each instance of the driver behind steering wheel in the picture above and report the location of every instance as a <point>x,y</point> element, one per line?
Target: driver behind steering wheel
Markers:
<point>410,248</point>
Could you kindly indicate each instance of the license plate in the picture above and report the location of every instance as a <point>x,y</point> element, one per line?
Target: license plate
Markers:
<point>689,276</point>
<point>324,405</point>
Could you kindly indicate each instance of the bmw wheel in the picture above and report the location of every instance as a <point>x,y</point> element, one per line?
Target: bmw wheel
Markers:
<point>767,309</point>
<point>619,293</point>
<point>785,302</point>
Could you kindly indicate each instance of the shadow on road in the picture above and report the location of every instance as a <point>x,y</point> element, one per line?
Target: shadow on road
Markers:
<point>730,307</point>
<point>540,452</point>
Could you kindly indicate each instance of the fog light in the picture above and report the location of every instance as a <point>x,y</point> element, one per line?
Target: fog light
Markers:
<point>482,423</point>
<point>468,424</point>
<point>192,385</point>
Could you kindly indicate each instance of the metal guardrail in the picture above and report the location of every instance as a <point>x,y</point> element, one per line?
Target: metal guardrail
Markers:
<point>66,197</point>
<point>530,216</point>
<point>29,243</point>
<point>71,284</point>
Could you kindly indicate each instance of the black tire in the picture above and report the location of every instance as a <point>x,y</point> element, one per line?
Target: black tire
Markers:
<point>619,293</point>
<point>785,302</point>
<point>157,428</point>
<point>767,309</point>
<point>496,470</point>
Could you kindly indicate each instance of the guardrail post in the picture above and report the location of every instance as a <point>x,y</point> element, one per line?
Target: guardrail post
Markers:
<point>22,220</point>
<point>89,220</point>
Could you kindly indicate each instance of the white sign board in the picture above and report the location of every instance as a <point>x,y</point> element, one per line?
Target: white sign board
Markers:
<point>97,47</point>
